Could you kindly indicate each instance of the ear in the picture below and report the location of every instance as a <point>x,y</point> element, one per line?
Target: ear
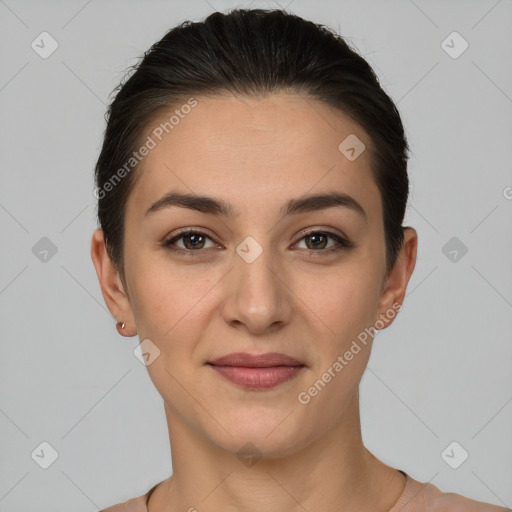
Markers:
<point>395,284</point>
<point>111,285</point>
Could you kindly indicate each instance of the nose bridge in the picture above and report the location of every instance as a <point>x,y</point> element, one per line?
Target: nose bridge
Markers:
<point>255,270</point>
<point>254,263</point>
<point>257,292</point>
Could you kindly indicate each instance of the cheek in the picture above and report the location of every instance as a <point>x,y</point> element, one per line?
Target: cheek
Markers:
<point>169,305</point>
<point>344,298</point>
<point>347,308</point>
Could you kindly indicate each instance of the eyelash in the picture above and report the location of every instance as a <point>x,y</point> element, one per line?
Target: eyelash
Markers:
<point>342,243</point>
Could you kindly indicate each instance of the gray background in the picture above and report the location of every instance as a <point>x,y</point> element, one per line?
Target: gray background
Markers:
<point>441,373</point>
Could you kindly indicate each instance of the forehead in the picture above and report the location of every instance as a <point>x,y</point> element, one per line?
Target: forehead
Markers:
<point>250,151</point>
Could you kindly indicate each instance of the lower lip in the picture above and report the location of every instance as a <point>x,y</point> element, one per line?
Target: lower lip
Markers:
<point>258,378</point>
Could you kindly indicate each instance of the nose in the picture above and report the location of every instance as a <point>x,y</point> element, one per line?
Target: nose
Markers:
<point>257,296</point>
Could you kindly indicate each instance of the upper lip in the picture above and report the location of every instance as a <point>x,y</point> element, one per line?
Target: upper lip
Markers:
<point>256,361</point>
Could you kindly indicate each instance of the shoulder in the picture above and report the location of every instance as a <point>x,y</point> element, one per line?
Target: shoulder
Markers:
<point>133,505</point>
<point>452,502</point>
<point>426,497</point>
<point>138,504</point>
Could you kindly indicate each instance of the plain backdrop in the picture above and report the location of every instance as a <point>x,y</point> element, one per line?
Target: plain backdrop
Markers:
<point>441,374</point>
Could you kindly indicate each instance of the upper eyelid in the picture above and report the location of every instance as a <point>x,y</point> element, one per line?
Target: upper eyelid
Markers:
<point>189,231</point>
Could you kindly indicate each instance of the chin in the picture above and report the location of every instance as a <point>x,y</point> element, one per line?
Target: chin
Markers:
<point>262,434</point>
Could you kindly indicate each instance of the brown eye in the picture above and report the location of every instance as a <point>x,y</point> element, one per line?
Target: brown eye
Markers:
<point>193,241</point>
<point>318,241</point>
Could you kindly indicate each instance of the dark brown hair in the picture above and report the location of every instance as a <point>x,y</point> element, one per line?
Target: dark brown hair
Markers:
<point>249,52</point>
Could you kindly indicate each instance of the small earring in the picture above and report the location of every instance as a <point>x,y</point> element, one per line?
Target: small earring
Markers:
<point>120,327</point>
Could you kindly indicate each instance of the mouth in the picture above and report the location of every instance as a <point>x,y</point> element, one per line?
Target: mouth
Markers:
<point>260,371</point>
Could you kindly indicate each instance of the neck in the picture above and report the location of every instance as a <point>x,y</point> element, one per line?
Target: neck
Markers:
<point>335,468</point>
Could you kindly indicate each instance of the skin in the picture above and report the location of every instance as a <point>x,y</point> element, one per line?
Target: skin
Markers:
<point>257,153</point>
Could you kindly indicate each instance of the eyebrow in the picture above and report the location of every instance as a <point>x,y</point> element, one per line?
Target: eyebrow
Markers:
<point>210,205</point>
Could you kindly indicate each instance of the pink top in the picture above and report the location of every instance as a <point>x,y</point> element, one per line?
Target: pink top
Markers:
<point>416,497</point>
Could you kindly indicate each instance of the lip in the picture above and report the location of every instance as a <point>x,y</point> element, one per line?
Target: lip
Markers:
<point>256,360</point>
<point>259,371</point>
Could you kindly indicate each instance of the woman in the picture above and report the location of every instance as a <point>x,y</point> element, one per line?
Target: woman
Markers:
<point>251,190</point>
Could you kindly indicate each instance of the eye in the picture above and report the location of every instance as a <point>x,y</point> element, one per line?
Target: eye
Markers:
<point>193,241</point>
<point>318,241</point>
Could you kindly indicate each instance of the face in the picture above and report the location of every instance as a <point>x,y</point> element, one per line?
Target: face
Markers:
<point>259,277</point>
